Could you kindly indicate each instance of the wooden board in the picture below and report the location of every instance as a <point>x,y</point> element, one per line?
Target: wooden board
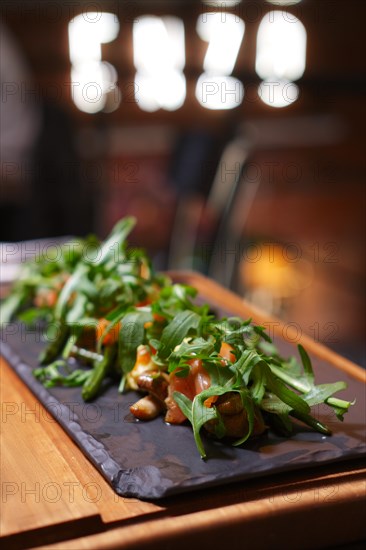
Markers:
<point>44,474</point>
<point>53,497</point>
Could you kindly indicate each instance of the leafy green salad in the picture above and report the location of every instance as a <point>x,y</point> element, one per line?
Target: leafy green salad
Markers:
<point>109,316</point>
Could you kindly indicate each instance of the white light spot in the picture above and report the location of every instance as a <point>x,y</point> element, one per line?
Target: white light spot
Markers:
<point>278,93</point>
<point>222,3</point>
<point>91,78</point>
<point>166,91</point>
<point>281,47</point>
<point>224,33</point>
<point>159,57</point>
<point>284,2</point>
<point>219,92</point>
<point>90,83</point>
<point>86,34</point>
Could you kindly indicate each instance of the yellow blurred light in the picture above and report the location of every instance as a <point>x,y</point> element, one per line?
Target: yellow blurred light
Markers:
<point>271,271</point>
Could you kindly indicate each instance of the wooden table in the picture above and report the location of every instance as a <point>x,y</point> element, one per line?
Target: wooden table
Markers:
<point>52,496</point>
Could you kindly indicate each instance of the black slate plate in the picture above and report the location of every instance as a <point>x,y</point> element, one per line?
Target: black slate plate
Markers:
<point>151,460</point>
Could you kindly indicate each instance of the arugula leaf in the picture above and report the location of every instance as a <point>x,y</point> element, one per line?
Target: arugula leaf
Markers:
<point>248,406</point>
<point>296,381</point>
<point>259,379</point>
<point>174,298</point>
<point>113,246</point>
<point>268,348</point>
<point>184,403</point>
<point>182,370</point>
<point>261,331</point>
<point>286,395</point>
<point>11,305</point>
<point>114,317</point>
<point>58,374</point>
<point>273,404</point>
<point>311,421</point>
<point>198,413</point>
<point>322,392</point>
<point>116,314</point>
<point>195,348</point>
<point>220,375</point>
<point>175,332</point>
<point>339,406</point>
<point>77,310</point>
<point>72,284</point>
<point>202,414</point>
<point>31,315</point>
<point>131,336</point>
<point>246,362</point>
<point>308,369</point>
<point>281,423</point>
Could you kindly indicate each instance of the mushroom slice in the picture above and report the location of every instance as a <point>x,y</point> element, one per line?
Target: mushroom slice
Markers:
<point>154,383</point>
<point>147,408</point>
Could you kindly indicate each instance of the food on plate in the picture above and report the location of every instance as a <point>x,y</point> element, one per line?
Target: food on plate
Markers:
<point>108,315</point>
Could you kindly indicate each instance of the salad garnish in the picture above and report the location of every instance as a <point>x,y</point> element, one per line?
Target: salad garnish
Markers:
<point>109,316</point>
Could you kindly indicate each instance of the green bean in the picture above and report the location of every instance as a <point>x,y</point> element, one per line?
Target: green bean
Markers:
<point>100,370</point>
<point>55,347</point>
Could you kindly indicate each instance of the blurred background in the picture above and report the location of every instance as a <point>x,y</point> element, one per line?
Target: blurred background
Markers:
<point>232,130</point>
